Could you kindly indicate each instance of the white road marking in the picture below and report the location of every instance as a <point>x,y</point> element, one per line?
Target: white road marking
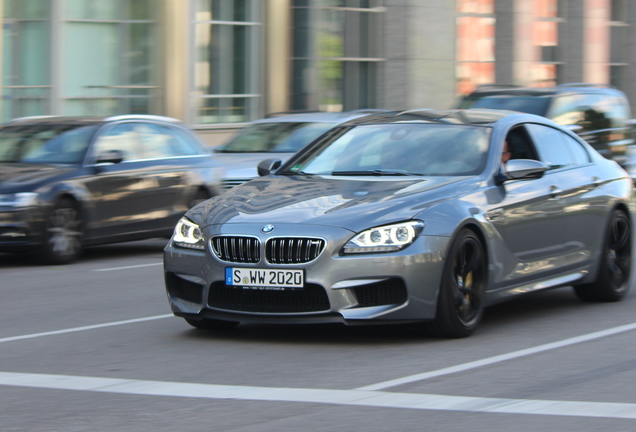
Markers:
<point>499,358</point>
<point>89,327</point>
<point>322,396</point>
<point>128,267</point>
<point>363,396</point>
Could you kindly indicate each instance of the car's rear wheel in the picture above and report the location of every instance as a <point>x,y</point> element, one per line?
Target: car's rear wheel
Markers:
<point>612,282</point>
<point>211,324</point>
<point>460,304</point>
<point>63,233</point>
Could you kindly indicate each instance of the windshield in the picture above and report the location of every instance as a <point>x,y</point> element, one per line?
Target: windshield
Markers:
<point>275,137</point>
<point>528,104</point>
<point>398,149</point>
<point>48,143</point>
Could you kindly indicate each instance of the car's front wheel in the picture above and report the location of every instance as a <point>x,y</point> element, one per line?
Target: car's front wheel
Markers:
<point>460,303</point>
<point>63,233</point>
<point>612,282</point>
<point>211,324</point>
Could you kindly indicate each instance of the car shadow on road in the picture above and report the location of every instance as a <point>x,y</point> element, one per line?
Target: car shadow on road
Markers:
<point>533,310</point>
<point>328,334</point>
<point>532,306</point>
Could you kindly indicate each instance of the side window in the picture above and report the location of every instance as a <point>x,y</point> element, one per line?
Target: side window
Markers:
<point>552,148</point>
<point>615,108</point>
<point>594,116</point>
<point>121,138</point>
<point>156,141</point>
<point>188,145</point>
<point>565,110</point>
<point>581,156</point>
<point>520,145</point>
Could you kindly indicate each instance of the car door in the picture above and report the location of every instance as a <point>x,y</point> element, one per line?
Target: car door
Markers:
<point>120,190</point>
<point>172,167</point>
<point>571,167</point>
<point>526,215</point>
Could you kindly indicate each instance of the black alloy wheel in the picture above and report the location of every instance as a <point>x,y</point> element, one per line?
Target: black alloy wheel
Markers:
<point>612,282</point>
<point>63,236</point>
<point>461,300</point>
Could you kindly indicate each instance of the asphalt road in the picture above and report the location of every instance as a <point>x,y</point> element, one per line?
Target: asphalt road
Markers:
<point>92,347</point>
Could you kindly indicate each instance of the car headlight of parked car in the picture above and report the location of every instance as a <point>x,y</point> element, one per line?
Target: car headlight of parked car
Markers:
<point>19,200</point>
<point>386,238</point>
<point>188,235</point>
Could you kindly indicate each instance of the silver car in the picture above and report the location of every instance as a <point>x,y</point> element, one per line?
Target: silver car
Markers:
<point>280,136</point>
<point>421,216</point>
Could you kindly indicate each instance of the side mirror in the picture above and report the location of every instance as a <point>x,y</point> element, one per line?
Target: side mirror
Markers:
<point>524,169</point>
<point>267,166</point>
<point>110,156</point>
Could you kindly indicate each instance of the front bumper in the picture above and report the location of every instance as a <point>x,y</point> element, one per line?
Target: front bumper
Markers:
<point>21,230</point>
<point>382,287</point>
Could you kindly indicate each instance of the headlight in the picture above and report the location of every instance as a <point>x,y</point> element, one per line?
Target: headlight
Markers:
<point>385,238</point>
<point>188,235</point>
<point>23,199</point>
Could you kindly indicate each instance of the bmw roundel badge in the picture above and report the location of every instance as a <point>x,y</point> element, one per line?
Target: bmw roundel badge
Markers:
<point>267,228</point>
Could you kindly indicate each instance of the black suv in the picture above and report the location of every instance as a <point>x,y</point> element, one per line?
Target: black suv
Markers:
<point>599,113</point>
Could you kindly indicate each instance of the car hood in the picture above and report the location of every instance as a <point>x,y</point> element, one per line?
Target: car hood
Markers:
<point>348,202</point>
<point>243,165</point>
<point>15,176</point>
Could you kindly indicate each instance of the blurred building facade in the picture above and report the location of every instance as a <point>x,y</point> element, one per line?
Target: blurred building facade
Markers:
<point>217,64</point>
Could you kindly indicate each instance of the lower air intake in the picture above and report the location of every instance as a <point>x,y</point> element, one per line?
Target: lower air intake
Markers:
<point>312,298</point>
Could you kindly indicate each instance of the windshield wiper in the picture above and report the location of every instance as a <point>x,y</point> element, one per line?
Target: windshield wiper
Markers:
<point>302,173</point>
<point>375,172</point>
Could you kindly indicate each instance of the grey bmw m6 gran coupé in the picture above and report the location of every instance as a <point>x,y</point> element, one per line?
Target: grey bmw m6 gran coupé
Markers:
<point>418,216</point>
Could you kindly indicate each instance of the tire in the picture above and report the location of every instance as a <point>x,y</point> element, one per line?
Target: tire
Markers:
<point>612,282</point>
<point>211,324</point>
<point>461,300</point>
<point>63,233</point>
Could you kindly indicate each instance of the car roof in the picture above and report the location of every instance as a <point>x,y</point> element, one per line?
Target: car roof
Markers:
<point>471,116</point>
<point>86,119</point>
<point>317,116</point>
<point>505,89</point>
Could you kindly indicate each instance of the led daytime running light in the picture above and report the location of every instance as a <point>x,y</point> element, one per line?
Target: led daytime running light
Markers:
<point>188,235</point>
<point>385,239</point>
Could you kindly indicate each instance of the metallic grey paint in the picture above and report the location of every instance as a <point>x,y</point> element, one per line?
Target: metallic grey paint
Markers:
<point>537,233</point>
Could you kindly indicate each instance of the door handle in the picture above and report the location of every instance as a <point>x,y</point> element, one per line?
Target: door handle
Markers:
<point>555,191</point>
<point>596,182</point>
<point>495,215</point>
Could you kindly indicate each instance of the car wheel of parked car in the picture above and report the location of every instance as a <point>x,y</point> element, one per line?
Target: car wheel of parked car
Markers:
<point>211,324</point>
<point>460,303</point>
<point>612,281</point>
<point>63,235</point>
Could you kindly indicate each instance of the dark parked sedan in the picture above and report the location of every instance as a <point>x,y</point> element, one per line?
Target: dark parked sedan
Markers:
<point>68,182</point>
<point>420,216</point>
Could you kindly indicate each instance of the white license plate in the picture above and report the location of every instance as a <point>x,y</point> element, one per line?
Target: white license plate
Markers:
<point>261,278</point>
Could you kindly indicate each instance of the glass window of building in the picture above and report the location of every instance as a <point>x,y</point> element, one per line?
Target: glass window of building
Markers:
<point>26,59</point>
<point>227,44</point>
<point>619,28</point>
<point>475,44</point>
<point>336,54</point>
<point>546,37</point>
<point>109,48</point>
